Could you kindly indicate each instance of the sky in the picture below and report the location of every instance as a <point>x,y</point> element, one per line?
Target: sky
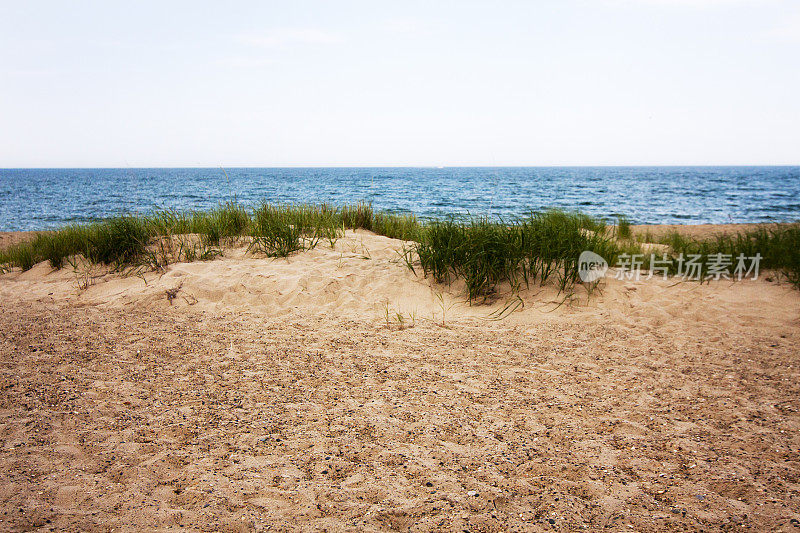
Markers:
<point>374,83</point>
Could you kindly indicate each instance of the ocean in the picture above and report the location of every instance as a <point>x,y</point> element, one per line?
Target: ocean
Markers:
<point>34,199</point>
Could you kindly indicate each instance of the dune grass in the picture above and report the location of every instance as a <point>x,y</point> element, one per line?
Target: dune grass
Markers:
<point>534,249</point>
<point>542,247</point>
<point>623,227</point>
<point>274,230</point>
<point>537,248</point>
<point>116,241</point>
<point>778,247</point>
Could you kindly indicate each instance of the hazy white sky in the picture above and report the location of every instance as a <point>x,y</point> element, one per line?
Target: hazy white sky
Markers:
<point>399,83</point>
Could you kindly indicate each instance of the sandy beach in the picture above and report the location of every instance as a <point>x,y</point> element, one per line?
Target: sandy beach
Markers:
<point>9,238</point>
<point>336,390</point>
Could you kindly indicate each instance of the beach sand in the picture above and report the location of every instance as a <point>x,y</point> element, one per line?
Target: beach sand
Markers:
<point>699,231</point>
<point>10,238</point>
<point>248,393</point>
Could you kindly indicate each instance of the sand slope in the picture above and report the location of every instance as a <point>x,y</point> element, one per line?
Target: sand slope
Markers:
<point>275,394</point>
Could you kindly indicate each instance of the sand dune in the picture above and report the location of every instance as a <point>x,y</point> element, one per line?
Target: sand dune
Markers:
<point>338,390</point>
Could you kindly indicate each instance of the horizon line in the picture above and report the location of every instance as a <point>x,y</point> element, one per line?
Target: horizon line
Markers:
<point>651,165</point>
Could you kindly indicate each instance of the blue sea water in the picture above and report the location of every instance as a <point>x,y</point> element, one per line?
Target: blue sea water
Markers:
<point>32,199</point>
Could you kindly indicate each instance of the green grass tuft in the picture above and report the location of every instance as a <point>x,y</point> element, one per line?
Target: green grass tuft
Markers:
<point>21,255</point>
<point>538,248</point>
<point>118,241</point>
<point>278,231</point>
<point>778,246</point>
<point>624,227</point>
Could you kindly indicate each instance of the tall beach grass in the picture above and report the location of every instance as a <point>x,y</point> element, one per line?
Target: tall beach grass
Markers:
<point>778,247</point>
<point>542,247</point>
<point>538,248</point>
